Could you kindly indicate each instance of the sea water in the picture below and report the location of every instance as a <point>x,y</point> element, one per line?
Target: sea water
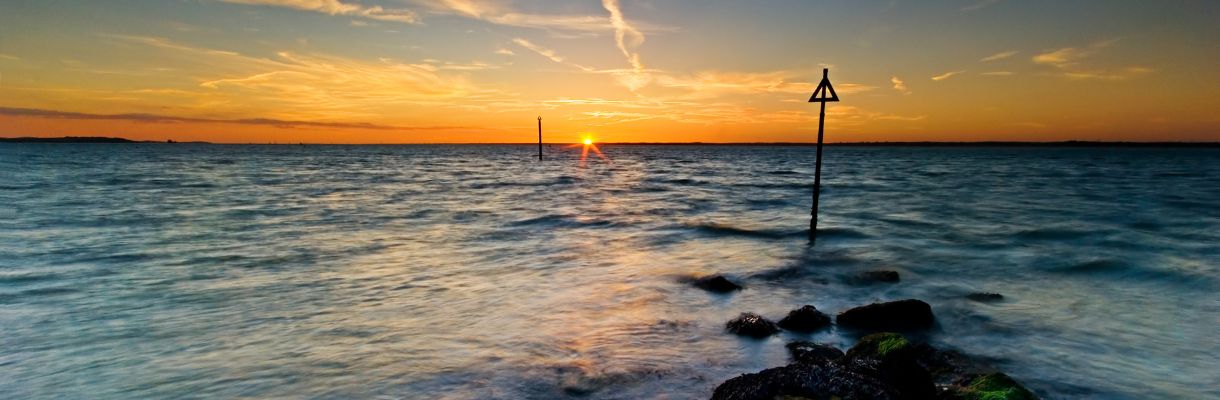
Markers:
<point>471,272</point>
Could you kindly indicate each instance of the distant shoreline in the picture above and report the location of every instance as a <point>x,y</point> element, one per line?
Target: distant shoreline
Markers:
<point>1067,143</point>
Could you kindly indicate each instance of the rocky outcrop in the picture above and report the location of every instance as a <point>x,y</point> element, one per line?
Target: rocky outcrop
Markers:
<point>884,276</point>
<point>880,366</point>
<point>805,319</point>
<point>813,353</point>
<point>716,284</point>
<point>752,325</point>
<point>985,297</point>
<point>902,315</point>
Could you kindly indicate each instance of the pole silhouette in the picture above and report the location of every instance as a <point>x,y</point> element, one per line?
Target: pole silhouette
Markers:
<point>823,94</point>
<point>539,138</point>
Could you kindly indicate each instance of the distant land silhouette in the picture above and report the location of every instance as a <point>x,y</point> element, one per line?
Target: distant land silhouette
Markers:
<point>1067,143</point>
<point>80,139</point>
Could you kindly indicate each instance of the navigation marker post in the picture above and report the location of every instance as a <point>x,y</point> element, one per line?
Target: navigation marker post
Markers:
<point>823,94</point>
<point>539,138</point>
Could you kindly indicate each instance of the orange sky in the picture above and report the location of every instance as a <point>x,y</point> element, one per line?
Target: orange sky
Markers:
<point>429,71</point>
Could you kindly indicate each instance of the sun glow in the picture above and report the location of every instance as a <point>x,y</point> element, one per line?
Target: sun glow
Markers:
<point>588,141</point>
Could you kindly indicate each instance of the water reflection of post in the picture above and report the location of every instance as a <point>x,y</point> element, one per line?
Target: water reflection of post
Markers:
<point>823,94</point>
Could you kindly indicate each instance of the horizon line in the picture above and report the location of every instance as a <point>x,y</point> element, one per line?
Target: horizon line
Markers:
<point>1073,142</point>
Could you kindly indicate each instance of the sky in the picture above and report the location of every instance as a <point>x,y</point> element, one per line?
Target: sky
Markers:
<point>466,71</point>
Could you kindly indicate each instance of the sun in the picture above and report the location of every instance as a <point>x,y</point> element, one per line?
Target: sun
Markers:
<point>588,141</point>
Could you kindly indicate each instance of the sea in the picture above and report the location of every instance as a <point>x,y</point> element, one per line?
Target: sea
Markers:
<point>158,271</point>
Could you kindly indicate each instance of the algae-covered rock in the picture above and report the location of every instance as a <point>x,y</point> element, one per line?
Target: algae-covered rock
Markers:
<point>752,325</point>
<point>996,386</point>
<point>892,358</point>
<point>898,315</point>
<point>805,319</point>
<point>878,345</point>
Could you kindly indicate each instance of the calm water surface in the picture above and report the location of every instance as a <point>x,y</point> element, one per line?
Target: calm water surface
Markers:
<point>470,272</point>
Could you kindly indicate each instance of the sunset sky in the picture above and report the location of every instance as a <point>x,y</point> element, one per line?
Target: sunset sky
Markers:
<point>425,71</point>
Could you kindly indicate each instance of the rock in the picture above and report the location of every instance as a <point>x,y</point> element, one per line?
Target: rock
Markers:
<point>877,276</point>
<point>880,366</point>
<point>892,358</point>
<point>985,296</point>
<point>805,381</point>
<point>716,284</point>
<point>752,325</point>
<point>994,386</point>
<point>813,353</point>
<point>805,319</point>
<point>899,315</point>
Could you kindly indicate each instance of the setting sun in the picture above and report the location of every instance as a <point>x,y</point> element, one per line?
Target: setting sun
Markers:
<point>588,141</point>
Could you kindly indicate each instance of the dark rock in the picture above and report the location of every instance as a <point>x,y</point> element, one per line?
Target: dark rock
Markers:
<point>893,359</point>
<point>805,319</point>
<point>877,276</point>
<point>895,315</point>
<point>752,325</point>
<point>717,284</point>
<point>805,381</point>
<point>813,353</point>
<point>880,366</point>
<point>985,296</point>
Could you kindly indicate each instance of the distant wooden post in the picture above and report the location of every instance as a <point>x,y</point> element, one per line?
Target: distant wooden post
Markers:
<point>823,94</point>
<point>539,138</point>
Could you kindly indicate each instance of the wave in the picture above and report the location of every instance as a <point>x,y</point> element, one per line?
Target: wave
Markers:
<point>1052,234</point>
<point>726,230</point>
<point>26,278</point>
<point>565,220</point>
<point>1118,269</point>
<point>841,233</point>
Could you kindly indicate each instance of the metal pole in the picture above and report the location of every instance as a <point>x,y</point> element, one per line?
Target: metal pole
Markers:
<point>817,175</point>
<point>540,138</point>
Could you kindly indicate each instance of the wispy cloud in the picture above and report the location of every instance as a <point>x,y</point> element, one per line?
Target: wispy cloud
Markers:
<point>997,73</point>
<point>1070,62</point>
<point>499,14</point>
<point>337,7</point>
<point>720,82</point>
<point>168,119</point>
<point>979,5</point>
<point>946,75</point>
<point>628,38</point>
<point>899,85</point>
<point>543,51</point>
<point>301,86</point>
<point>999,56</point>
<point>505,52</point>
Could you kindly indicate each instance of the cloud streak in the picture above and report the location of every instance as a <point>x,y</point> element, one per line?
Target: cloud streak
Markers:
<point>946,75</point>
<point>999,56</point>
<point>978,6</point>
<point>1070,61</point>
<point>628,38</point>
<point>337,7</point>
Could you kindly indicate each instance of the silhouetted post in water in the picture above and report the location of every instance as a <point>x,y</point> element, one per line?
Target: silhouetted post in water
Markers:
<point>823,94</point>
<point>539,138</point>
